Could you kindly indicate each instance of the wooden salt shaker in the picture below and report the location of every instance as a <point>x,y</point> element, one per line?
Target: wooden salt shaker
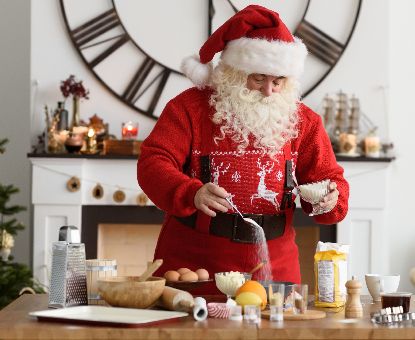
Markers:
<point>353,307</point>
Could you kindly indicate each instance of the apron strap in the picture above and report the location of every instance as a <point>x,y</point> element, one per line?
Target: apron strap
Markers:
<point>203,220</point>
<point>287,198</point>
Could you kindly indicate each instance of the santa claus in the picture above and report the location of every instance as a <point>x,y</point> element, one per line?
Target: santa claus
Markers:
<point>241,135</point>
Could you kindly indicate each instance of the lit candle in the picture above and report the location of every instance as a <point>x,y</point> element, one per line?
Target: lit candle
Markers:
<point>129,130</point>
<point>92,142</point>
<point>91,132</point>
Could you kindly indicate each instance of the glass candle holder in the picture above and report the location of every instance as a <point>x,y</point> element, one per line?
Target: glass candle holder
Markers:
<point>129,130</point>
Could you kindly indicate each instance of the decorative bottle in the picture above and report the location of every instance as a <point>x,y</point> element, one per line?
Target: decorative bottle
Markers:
<point>63,116</point>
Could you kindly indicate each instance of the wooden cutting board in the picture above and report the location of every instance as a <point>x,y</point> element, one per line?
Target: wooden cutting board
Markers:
<point>310,314</point>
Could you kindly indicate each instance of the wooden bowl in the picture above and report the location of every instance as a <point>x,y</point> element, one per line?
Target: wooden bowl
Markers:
<point>127,291</point>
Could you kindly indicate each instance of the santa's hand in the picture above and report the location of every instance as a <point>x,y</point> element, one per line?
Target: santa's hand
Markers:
<point>330,200</point>
<point>210,196</point>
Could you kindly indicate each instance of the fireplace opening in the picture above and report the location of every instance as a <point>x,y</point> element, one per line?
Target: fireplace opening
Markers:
<point>129,233</point>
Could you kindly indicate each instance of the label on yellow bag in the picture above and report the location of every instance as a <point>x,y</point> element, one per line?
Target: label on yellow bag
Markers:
<point>330,268</point>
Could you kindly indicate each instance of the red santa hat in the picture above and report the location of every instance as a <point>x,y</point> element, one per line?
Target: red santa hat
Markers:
<point>254,40</point>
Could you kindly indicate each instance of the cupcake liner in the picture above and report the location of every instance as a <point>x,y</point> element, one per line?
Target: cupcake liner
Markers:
<point>314,192</point>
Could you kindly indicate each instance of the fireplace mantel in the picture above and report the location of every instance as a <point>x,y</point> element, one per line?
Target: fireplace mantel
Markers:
<point>54,205</point>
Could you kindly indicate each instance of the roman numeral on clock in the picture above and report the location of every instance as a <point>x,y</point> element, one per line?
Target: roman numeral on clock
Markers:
<point>146,76</point>
<point>88,35</point>
<point>319,43</point>
<point>95,27</point>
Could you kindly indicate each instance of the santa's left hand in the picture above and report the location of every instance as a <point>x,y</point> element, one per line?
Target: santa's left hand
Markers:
<point>330,200</point>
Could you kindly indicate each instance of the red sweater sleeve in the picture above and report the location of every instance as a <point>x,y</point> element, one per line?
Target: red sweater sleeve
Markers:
<point>317,162</point>
<point>163,155</point>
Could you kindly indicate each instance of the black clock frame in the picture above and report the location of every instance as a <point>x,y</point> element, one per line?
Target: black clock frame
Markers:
<point>314,39</point>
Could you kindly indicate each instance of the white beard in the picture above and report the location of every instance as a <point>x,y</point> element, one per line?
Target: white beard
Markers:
<point>242,113</point>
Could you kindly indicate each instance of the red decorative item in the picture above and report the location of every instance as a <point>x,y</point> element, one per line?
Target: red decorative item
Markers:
<point>129,131</point>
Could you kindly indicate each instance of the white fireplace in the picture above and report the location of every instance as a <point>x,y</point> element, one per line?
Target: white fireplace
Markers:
<point>54,205</point>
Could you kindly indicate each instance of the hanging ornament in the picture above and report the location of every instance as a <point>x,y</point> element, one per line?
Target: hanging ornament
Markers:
<point>73,184</point>
<point>98,191</point>
<point>119,196</point>
<point>142,199</point>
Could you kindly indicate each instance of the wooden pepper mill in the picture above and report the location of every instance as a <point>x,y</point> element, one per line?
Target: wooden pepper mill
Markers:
<point>353,307</point>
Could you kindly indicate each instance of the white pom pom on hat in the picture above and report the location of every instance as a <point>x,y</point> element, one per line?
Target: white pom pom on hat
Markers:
<point>197,72</point>
<point>254,40</point>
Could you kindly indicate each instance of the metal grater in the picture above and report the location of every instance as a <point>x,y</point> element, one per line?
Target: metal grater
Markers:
<point>68,275</point>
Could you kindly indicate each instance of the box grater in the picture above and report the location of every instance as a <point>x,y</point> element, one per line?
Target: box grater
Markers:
<point>68,275</point>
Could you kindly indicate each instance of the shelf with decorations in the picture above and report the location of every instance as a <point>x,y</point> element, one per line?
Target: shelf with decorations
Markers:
<point>80,137</point>
<point>360,158</point>
<point>353,135</point>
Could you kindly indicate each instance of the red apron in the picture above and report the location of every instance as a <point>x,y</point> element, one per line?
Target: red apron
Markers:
<point>256,183</point>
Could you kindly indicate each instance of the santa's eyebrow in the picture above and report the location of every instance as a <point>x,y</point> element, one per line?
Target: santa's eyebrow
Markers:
<point>265,75</point>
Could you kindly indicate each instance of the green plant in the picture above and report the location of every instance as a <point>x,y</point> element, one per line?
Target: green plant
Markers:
<point>13,276</point>
<point>8,226</point>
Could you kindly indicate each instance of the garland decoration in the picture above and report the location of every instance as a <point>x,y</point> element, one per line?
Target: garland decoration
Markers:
<point>118,196</point>
<point>142,199</point>
<point>73,184</point>
<point>98,191</point>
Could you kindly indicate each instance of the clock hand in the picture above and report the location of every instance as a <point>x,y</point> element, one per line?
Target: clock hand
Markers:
<point>211,13</point>
<point>233,6</point>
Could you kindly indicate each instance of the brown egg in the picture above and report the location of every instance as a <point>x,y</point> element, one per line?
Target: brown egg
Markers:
<point>188,276</point>
<point>202,274</point>
<point>183,270</point>
<point>171,275</point>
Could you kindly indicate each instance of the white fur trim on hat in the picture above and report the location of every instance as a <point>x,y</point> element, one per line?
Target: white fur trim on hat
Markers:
<point>197,72</point>
<point>277,58</point>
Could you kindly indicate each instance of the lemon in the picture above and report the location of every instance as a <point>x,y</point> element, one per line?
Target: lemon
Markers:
<point>248,298</point>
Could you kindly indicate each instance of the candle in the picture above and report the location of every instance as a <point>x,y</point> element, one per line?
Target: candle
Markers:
<point>92,141</point>
<point>91,132</point>
<point>129,130</point>
<point>347,143</point>
<point>372,146</point>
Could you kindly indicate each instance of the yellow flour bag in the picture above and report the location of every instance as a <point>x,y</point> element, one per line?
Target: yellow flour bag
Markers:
<point>330,269</point>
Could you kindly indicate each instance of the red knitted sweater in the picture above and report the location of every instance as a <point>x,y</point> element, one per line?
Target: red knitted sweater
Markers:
<point>167,149</point>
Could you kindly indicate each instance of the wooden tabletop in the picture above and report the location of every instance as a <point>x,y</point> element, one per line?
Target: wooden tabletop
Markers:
<point>16,324</point>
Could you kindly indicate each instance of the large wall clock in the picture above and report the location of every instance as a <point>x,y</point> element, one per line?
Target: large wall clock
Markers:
<point>135,48</point>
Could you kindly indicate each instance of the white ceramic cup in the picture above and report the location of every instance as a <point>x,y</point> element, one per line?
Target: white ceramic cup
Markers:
<point>377,284</point>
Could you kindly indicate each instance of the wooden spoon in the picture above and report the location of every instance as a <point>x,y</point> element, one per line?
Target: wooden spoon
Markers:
<point>150,270</point>
<point>258,266</point>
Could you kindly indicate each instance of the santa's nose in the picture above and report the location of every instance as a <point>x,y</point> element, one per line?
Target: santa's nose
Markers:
<point>266,88</point>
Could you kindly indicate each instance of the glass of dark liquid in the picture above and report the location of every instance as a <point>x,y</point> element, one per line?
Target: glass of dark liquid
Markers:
<point>397,299</point>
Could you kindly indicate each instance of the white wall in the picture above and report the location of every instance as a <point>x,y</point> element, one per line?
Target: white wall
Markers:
<point>14,111</point>
<point>54,59</point>
<point>374,67</point>
<point>401,125</point>
<point>365,55</point>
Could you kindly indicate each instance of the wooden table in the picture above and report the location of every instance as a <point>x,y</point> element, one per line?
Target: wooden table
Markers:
<point>16,324</point>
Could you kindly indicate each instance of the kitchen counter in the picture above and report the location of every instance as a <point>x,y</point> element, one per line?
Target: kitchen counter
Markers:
<point>16,324</point>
